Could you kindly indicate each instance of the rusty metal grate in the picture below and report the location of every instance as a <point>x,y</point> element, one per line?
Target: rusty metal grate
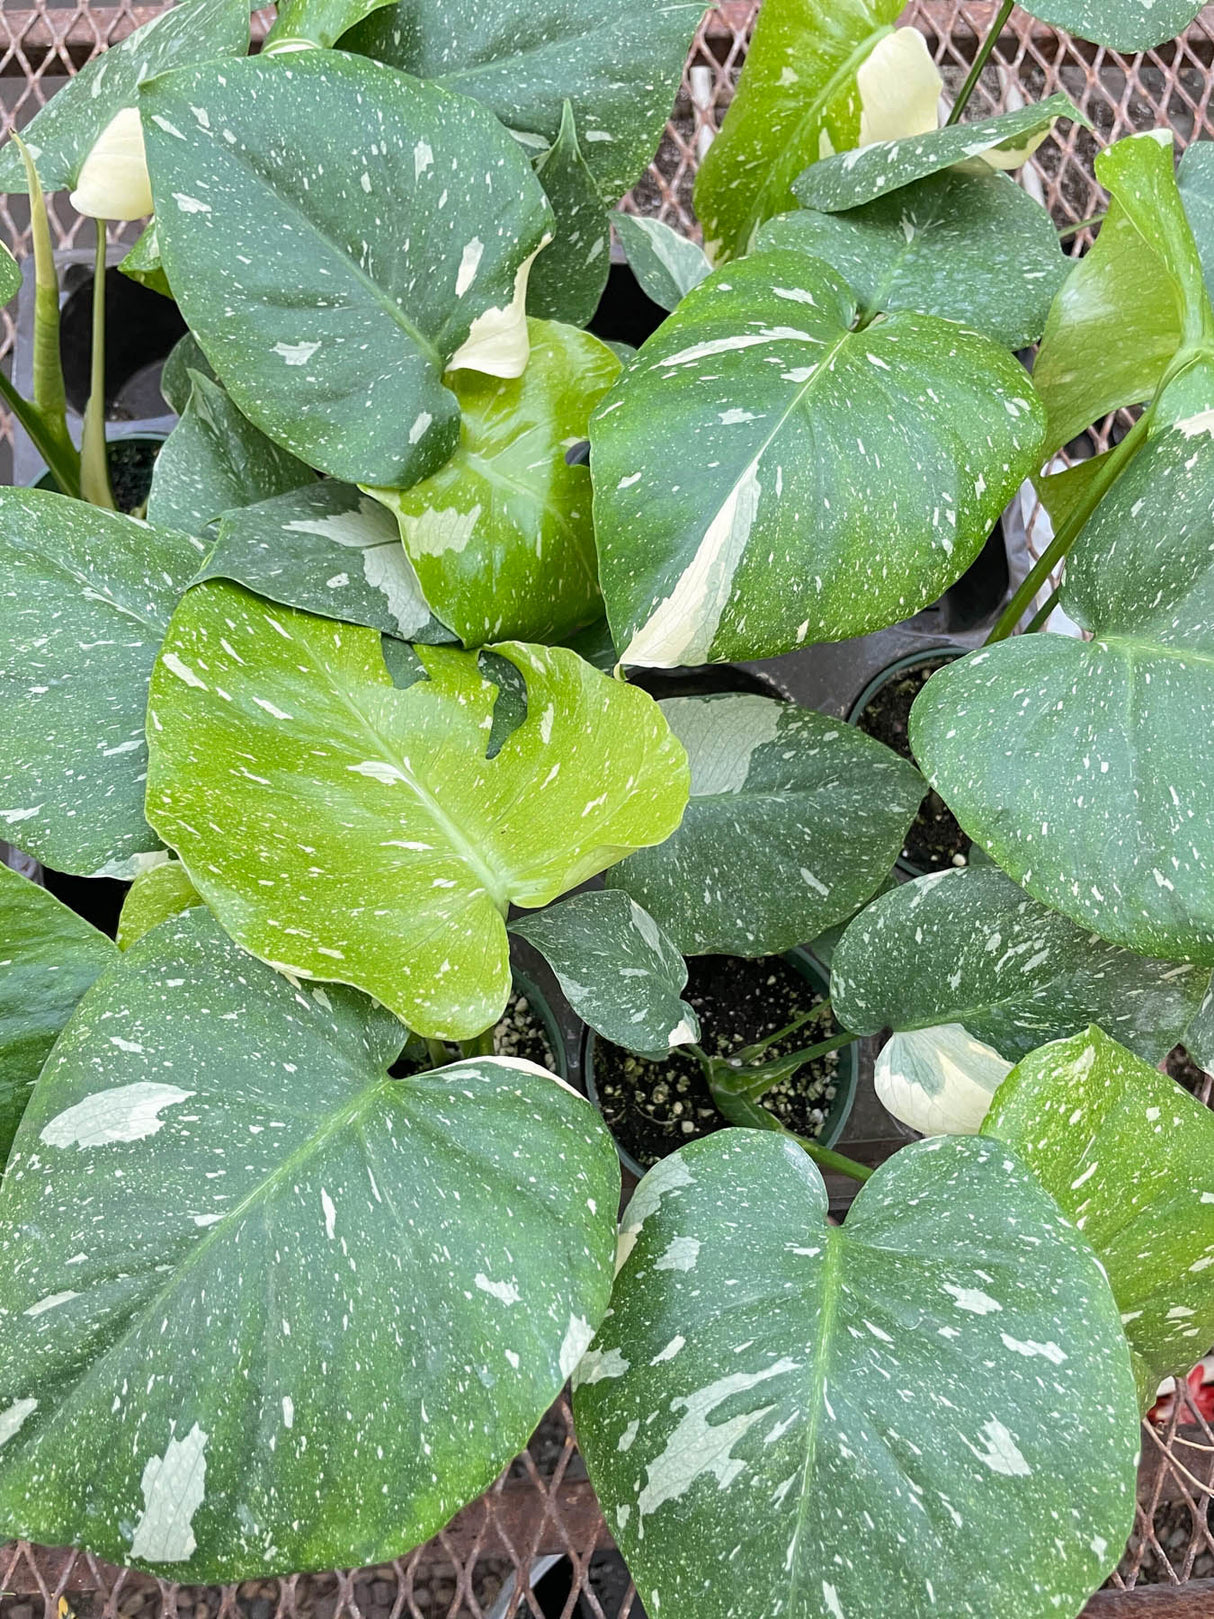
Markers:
<point>542,1507</point>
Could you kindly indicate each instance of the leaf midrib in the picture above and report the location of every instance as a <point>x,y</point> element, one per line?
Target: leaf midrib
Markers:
<point>832,1287</point>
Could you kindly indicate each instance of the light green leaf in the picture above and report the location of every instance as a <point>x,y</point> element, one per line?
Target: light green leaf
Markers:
<point>156,894</point>
<point>1131,302</point>
<point>970,248</point>
<point>175,380</point>
<point>502,536</point>
<point>618,970</point>
<point>85,601</point>
<point>666,264</point>
<point>745,461</point>
<point>336,162</point>
<point>50,957</point>
<point>970,947</point>
<point>619,68</point>
<point>214,460</point>
<point>342,828</point>
<point>868,172</point>
<point>796,102</point>
<point>316,22</point>
<point>570,273</point>
<point>330,549</point>
<point>10,275</point>
<point>938,1081</point>
<point>794,819</point>
<point>62,134</point>
<point>234,1273</point>
<point>1128,1155</point>
<point>1122,25</point>
<point>143,264</point>
<point>1083,766</point>
<point>947,1365</point>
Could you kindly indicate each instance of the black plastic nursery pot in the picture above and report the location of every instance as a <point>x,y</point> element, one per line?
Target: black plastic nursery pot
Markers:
<point>836,1110</point>
<point>131,457</point>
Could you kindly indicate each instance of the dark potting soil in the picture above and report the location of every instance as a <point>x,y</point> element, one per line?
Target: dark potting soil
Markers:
<point>653,1108</point>
<point>131,462</point>
<point>520,1033</point>
<point>935,842</point>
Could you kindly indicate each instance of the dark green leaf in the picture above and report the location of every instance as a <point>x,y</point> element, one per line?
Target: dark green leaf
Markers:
<point>143,264</point>
<point>175,383</point>
<point>1123,25</point>
<point>570,273</point>
<point>10,275</point>
<point>666,264</point>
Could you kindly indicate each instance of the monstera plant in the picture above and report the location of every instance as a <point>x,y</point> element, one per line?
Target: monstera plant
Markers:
<point>294,1257</point>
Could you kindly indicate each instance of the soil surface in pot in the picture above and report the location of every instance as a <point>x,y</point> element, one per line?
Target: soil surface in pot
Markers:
<point>520,1033</point>
<point>653,1108</point>
<point>935,841</point>
<point>131,462</point>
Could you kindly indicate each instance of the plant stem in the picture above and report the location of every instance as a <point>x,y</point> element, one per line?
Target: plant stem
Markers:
<point>481,1046</point>
<point>65,472</point>
<point>980,61</point>
<point>827,1158</point>
<point>439,1055</point>
<point>1070,530</point>
<point>1041,617</point>
<point>94,466</point>
<point>50,396</point>
<point>749,1053</point>
<point>1073,230</point>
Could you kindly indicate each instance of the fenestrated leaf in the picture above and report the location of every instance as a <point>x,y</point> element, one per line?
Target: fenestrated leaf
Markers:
<point>156,894</point>
<point>939,1081</point>
<point>570,274</point>
<point>746,459</point>
<point>970,947</point>
<point>618,970</point>
<point>867,172</point>
<point>794,818</point>
<point>666,264</point>
<point>48,958</point>
<point>318,22</point>
<point>1123,25</point>
<point>175,382</point>
<point>1128,1155</point>
<point>215,459</point>
<point>61,135</point>
<point>1082,766</point>
<point>971,248</point>
<point>143,264</point>
<point>327,548</point>
<point>342,828</point>
<point>335,164</point>
<point>235,1275</point>
<point>796,102</point>
<point>619,68</point>
<point>947,1365</point>
<point>10,275</point>
<point>502,536</point>
<point>84,603</point>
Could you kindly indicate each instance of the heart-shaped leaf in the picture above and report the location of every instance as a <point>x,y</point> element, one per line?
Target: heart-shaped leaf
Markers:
<point>570,273</point>
<point>276,733</point>
<point>1199,1036</point>
<point>618,69</point>
<point>234,1273</point>
<point>84,605</point>
<point>327,548</point>
<point>215,459</point>
<point>862,175</point>
<point>938,1081</point>
<point>746,459</point>
<point>61,135</point>
<point>970,947</point>
<point>310,172</point>
<point>794,819</point>
<point>618,970</point>
<point>50,957</point>
<point>947,1365</point>
<point>1128,1155</point>
<point>502,536</point>
<point>156,894</point>
<point>1122,25</point>
<point>971,248</point>
<point>796,102</point>
<point>666,264</point>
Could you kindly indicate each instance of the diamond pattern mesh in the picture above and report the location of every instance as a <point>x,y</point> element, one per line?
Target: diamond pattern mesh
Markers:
<point>536,1544</point>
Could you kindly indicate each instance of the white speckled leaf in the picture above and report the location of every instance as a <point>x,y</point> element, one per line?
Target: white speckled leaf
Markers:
<point>214,460</point>
<point>48,958</point>
<point>970,947</point>
<point>794,819</point>
<point>10,275</point>
<point>143,264</point>
<point>327,548</point>
<point>85,597</point>
<point>618,970</point>
<point>156,894</point>
<point>938,1081</point>
<point>796,102</point>
<point>666,264</point>
<point>247,1327</point>
<point>1129,1156</point>
<point>394,212</point>
<point>175,380</point>
<point>619,68</point>
<point>1199,1036</point>
<point>947,1367</point>
<point>346,829</point>
<point>1124,25</point>
<point>61,135</point>
<point>570,274</point>
<point>971,248</point>
<point>502,536</point>
<point>867,172</point>
<point>747,458</point>
<point>316,22</point>
<point>1083,767</point>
